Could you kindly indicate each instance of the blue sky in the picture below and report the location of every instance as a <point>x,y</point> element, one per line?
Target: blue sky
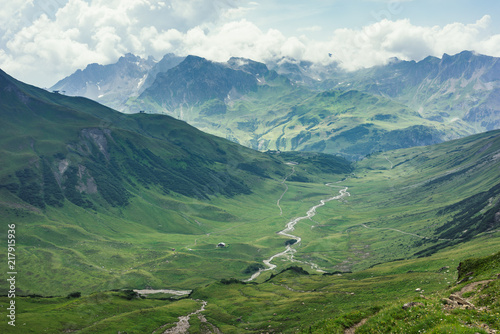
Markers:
<point>42,41</point>
<point>330,15</point>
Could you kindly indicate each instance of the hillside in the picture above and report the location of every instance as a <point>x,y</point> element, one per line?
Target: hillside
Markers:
<point>93,190</point>
<point>105,203</point>
<point>456,88</point>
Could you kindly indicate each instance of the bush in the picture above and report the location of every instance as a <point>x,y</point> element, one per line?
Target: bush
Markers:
<point>130,294</point>
<point>231,281</point>
<point>74,295</point>
<point>252,268</point>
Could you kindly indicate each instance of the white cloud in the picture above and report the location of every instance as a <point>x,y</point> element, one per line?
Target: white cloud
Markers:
<point>74,33</point>
<point>376,43</point>
<point>372,45</point>
<point>64,35</point>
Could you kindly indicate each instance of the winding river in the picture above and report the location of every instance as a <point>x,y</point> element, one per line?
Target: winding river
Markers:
<point>290,226</point>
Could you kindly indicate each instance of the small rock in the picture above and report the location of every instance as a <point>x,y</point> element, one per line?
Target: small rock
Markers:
<point>465,279</point>
<point>411,304</point>
<point>460,301</point>
<point>448,301</point>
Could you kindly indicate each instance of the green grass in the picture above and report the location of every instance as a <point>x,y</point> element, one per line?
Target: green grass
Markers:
<point>433,317</point>
<point>290,301</point>
<point>103,312</point>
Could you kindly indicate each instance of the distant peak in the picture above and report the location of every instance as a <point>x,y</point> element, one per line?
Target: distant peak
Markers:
<point>194,61</point>
<point>129,57</point>
<point>168,56</point>
<point>394,60</point>
<point>195,58</point>
<point>239,61</point>
<point>469,53</point>
<point>247,65</point>
<point>465,53</point>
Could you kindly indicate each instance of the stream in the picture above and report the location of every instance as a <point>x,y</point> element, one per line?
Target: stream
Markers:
<point>290,226</point>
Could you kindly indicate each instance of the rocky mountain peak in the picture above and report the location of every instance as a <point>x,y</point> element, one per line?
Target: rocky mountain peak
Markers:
<point>248,65</point>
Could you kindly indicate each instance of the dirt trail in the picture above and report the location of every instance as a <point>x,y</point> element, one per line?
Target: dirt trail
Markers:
<point>352,330</point>
<point>386,158</point>
<point>286,189</point>
<point>403,232</point>
<point>182,326</point>
<point>290,226</point>
<point>472,286</point>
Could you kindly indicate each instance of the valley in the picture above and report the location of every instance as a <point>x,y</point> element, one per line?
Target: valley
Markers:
<point>117,213</point>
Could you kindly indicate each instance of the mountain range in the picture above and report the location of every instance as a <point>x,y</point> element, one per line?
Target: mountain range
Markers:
<point>291,105</point>
<point>113,84</point>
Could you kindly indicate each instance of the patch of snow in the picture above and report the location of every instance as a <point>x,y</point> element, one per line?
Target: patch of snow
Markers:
<point>142,81</point>
<point>241,62</point>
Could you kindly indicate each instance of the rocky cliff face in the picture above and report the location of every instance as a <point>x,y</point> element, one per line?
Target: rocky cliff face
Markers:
<point>108,84</point>
<point>114,84</point>
<point>197,80</point>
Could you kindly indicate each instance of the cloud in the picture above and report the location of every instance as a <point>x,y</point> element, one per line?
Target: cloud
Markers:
<point>69,34</point>
<point>353,48</point>
<point>48,39</point>
<point>376,43</point>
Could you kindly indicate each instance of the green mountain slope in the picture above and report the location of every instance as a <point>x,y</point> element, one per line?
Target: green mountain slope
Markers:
<point>462,87</point>
<point>103,200</point>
